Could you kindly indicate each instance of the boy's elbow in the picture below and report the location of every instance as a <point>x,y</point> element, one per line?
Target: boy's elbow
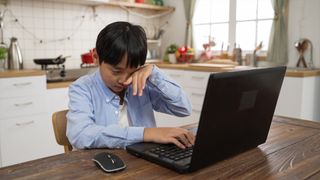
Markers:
<point>188,110</point>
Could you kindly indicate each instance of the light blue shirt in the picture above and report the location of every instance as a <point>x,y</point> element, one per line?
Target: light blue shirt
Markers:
<point>93,117</point>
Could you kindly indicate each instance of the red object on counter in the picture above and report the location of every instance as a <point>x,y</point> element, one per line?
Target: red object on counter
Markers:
<point>139,1</point>
<point>87,58</point>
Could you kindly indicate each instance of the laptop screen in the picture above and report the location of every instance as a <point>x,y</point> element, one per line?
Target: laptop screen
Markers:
<point>236,113</point>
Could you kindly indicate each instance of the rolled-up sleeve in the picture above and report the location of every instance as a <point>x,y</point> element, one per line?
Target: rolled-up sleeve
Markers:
<point>166,95</point>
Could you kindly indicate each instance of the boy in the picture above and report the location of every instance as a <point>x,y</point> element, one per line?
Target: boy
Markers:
<point>113,107</point>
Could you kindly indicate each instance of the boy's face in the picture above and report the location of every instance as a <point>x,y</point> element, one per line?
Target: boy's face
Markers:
<point>115,76</point>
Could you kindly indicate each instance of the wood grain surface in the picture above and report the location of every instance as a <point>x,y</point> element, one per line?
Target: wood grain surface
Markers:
<point>292,151</point>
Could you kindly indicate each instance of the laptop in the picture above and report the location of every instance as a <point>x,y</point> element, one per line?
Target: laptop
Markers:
<point>236,116</point>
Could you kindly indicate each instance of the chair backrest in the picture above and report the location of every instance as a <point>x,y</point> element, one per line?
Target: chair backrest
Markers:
<point>59,121</point>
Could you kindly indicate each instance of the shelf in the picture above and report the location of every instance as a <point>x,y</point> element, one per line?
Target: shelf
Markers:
<point>118,4</point>
<point>139,5</point>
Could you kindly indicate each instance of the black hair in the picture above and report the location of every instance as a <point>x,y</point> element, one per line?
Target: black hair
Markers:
<point>120,39</point>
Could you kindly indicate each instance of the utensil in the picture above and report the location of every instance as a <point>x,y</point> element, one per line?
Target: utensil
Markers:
<point>50,61</point>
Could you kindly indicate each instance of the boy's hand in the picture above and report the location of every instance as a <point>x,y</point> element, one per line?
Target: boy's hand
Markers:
<point>178,136</point>
<point>139,78</point>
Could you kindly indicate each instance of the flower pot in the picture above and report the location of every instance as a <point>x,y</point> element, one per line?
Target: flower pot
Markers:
<point>172,58</point>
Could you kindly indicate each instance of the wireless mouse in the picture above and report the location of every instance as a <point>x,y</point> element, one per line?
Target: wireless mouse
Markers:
<point>108,162</point>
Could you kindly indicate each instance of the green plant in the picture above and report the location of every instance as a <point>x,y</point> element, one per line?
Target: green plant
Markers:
<point>172,48</point>
<point>3,53</point>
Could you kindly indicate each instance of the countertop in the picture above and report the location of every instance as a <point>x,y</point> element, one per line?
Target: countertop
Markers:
<point>299,73</point>
<point>21,73</point>
<point>290,152</point>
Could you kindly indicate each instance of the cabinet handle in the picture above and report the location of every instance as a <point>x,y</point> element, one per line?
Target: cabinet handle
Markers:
<point>197,77</point>
<point>175,75</point>
<point>22,84</point>
<point>196,111</point>
<point>197,94</point>
<point>23,104</point>
<point>24,123</point>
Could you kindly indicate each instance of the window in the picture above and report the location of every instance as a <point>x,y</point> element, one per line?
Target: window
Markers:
<point>244,23</point>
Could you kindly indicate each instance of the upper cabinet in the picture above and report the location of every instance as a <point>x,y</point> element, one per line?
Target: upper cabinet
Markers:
<point>119,4</point>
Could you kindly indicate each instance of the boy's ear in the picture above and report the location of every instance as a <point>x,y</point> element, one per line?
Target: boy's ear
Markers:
<point>95,56</point>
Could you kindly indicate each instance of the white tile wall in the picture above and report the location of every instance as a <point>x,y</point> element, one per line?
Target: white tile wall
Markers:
<point>49,21</point>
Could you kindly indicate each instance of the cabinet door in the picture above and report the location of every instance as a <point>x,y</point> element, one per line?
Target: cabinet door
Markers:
<point>166,120</point>
<point>57,100</point>
<point>197,79</point>
<point>27,138</point>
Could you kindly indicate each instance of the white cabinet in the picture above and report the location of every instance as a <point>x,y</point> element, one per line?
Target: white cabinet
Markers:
<point>300,98</point>
<point>57,99</point>
<point>25,138</point>
<point>26,131</point>
<point>194,85</point>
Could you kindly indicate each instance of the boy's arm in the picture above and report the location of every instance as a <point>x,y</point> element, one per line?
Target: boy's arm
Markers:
<point>166,95</point>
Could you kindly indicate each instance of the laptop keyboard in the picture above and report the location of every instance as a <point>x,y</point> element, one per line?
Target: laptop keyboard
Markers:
<point>172,152</point>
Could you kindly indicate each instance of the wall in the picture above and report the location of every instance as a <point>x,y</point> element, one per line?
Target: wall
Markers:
<point>52,22</point>
<point>304,23</point>
<point>175,31</point>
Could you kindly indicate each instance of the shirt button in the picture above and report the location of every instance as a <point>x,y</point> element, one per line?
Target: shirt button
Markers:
<point>117,112</point>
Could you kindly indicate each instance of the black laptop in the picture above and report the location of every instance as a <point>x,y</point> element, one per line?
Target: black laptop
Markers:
<point>236,116</point>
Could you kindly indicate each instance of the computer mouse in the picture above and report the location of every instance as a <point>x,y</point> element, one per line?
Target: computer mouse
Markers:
<point>108,162</point>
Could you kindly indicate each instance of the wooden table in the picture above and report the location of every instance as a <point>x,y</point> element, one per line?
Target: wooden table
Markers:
<point>292,151</point>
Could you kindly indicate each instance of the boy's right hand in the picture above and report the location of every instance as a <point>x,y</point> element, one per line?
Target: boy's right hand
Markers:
<point>178,136</point>
<point>138,79</point>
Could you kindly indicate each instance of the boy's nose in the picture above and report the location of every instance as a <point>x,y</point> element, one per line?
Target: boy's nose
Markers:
<point>123,78</point>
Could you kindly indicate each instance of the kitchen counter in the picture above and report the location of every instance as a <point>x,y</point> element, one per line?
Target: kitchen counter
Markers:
<point>62,84</point>
<point>222,67</point>
<point>21,73</point>
<point>193,67</point>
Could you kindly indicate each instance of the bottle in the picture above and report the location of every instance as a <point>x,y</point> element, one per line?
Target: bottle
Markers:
<point>15,60</point>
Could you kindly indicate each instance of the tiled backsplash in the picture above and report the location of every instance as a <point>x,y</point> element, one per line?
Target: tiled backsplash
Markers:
<point>53,22</point>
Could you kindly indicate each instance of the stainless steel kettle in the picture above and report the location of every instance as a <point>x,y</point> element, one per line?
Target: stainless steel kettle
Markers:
<point>15,60</point>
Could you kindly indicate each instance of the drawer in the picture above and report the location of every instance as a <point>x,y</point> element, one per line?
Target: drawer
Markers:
<point>196,79</point>
<point>22,86</point>
<point>14,107</point>
<point>166,120</point>
<point>195,95</point>
<point>27,138</point>
<point>177,75</point>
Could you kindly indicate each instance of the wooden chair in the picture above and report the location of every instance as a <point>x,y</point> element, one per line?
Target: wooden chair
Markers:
<point>59,121</point>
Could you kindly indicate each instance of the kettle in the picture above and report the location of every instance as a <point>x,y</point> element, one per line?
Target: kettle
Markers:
<point>15,60</point>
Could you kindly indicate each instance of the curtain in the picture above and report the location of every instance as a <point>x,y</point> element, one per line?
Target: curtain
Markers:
<point>189,6</point>
<point>278,44</point>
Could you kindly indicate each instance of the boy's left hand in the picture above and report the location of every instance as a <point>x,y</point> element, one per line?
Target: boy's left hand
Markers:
<point>139,78</point>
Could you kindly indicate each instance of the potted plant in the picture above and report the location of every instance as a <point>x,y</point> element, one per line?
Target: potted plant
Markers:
<point>3,57</point>
<point>171,51</point>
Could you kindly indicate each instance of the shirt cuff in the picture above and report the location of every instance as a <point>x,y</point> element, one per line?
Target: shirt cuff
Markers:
<point>156,78</point>
<point>135,134</point>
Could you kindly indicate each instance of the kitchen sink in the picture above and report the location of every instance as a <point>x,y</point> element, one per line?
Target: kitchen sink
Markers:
<point>60,75</point>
